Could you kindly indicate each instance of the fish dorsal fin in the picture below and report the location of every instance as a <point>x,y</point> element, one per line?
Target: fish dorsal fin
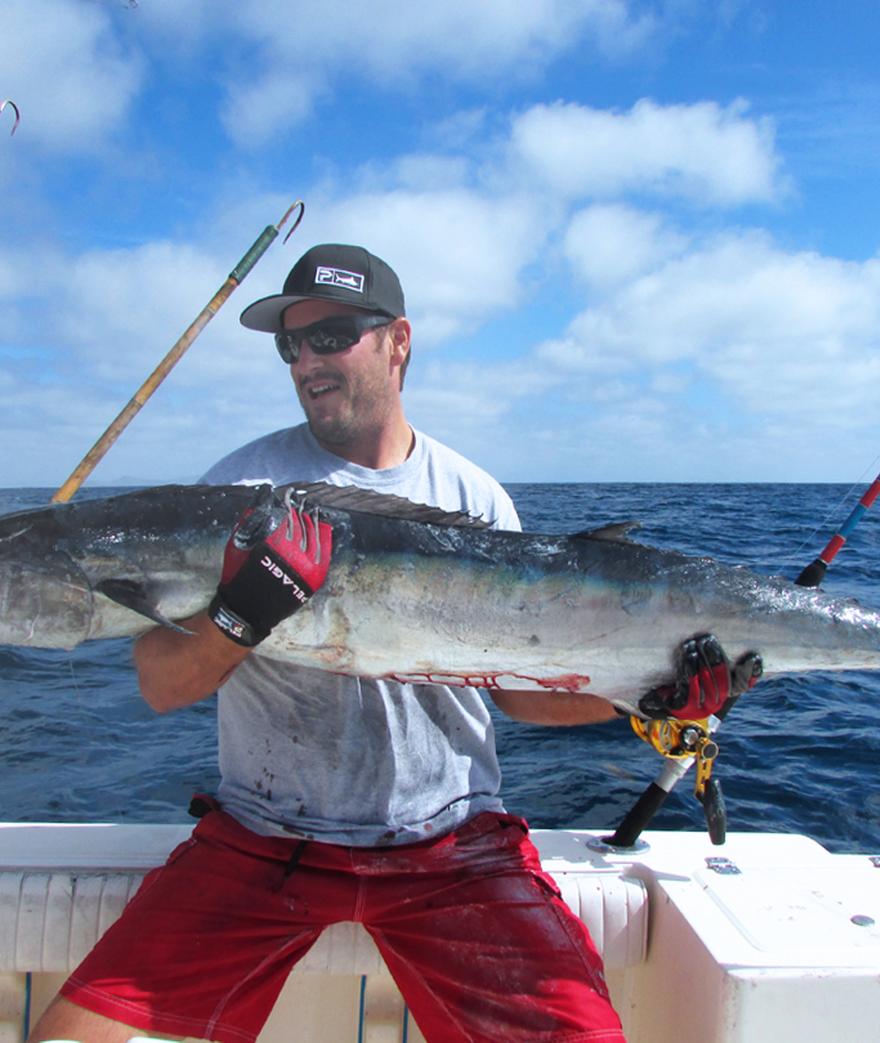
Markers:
<point>131,594</point>
<point>617,532</point>
<point>368,501</point>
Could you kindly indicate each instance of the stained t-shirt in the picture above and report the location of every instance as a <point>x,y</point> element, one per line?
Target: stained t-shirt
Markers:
<point>350,760</point>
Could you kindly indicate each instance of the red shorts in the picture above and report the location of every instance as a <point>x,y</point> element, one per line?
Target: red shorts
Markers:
<point>474,932</point>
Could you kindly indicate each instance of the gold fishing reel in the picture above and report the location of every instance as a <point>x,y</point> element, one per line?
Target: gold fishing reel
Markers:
<point>678,740</point>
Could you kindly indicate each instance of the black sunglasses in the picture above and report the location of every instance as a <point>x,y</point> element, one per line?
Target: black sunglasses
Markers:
<point>327,336</point>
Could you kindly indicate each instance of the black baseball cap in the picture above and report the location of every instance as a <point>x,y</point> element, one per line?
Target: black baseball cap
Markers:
<point>331,272</point>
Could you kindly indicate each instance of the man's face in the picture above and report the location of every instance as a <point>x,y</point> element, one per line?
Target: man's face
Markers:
<point>346,395</point>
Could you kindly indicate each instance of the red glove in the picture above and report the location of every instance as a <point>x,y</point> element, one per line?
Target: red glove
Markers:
<point>704,682</point>
<point>275,560</point>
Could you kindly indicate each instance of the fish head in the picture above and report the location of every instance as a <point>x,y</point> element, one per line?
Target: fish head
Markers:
<point>46,600</point>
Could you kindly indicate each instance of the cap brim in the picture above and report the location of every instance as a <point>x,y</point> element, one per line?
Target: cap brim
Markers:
<point>266,314</point>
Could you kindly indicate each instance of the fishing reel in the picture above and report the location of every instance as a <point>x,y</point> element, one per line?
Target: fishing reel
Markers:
<point>683,740</point>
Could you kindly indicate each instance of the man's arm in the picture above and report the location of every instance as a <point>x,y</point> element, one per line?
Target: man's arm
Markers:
<point>275,559</point>
<point>553,708</point>
<point>176,670</point>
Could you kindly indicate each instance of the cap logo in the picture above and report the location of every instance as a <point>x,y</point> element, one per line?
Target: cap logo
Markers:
<point>339,277</point>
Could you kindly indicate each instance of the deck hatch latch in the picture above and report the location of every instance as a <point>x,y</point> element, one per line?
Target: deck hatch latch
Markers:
<point>723,866</point>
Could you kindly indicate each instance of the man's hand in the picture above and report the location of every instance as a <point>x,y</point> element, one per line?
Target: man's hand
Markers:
<point>275,560</point>
<point>704,681</point>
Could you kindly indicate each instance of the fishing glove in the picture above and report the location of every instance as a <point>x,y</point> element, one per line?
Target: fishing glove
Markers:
<point>705,680</point>
<point>275,560</point>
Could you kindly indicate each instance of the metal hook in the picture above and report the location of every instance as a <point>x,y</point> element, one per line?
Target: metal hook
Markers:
<point>316,518</point>
<point>14,107</point>
<point>290,506</point>
<point>302,209</point>
<point>299,506</point>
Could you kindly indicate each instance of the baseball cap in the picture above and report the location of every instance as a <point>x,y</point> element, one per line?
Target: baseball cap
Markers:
<point>331,272</point>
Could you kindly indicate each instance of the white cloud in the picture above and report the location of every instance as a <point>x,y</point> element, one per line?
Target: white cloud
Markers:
<point>120,306</point>
<point>65,68</point>
<point>258,110</point>
<point>454,393</point>
<point>398,43</point>
<point>463,39</point>
<point>707,153</point>
<point>610,244</point>
<point>776,332</point>
<point>460,254</point>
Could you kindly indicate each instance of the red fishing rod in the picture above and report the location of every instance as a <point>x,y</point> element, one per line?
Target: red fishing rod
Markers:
<point>677,764</point>
<point>814,573</point>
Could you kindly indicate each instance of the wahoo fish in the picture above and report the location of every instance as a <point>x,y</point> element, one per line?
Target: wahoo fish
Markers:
<point>416,594</point>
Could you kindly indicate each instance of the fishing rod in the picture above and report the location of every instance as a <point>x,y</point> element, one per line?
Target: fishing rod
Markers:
<point>814,573</point>
<point>90,461</point>
<point>683,743</point>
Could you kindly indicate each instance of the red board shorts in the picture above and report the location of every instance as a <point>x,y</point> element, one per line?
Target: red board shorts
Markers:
<point>474,932</point>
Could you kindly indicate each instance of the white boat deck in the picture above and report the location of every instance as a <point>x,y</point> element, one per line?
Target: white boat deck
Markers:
<point>779,941</point>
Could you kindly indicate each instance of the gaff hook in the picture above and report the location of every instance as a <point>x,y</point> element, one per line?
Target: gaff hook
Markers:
<point>302,209</point>
<point>140,397</point>
<point>14,108</point>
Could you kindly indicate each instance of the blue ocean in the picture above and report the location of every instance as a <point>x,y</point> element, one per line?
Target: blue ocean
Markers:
<point>798,754</point>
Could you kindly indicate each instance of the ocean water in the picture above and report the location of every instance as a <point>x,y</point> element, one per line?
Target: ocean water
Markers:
<point>798,754</point>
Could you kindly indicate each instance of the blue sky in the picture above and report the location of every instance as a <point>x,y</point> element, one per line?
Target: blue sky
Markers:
<point>639,241</point>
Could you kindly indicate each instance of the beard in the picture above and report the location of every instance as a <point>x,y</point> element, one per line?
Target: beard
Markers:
<point>353,412</point>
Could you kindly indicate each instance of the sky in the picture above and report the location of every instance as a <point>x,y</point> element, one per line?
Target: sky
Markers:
<point>638,240</point>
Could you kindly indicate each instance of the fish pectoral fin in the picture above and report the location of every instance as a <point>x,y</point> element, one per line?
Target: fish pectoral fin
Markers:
<point>131,594</point>
<point>617,531</point>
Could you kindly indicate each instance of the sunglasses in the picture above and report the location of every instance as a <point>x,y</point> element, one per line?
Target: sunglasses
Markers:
<point>327,336</point>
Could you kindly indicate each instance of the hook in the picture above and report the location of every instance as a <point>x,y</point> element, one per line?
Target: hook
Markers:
<point>302,209</point>
<point>6,102</point>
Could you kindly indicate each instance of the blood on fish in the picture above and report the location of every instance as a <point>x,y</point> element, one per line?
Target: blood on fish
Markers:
<point>572,683</point>
<point>564,683</point>
<point>455,680</point>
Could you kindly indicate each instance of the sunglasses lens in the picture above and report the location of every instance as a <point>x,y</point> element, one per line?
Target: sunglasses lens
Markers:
<point>287,342</point>
<point>328,336</point>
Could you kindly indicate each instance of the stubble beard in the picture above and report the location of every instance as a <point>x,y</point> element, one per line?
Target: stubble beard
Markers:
<point>361,412</point>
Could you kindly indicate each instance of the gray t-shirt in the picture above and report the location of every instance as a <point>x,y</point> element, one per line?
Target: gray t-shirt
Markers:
<point>350,760</point>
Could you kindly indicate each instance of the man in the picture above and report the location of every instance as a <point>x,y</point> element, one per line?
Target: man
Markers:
<point>344,798</point>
